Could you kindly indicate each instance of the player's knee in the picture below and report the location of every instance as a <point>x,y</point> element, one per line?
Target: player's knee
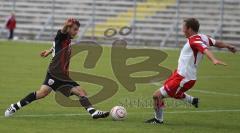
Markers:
<point>82,92</point>
<point>42,94</point>
<point>156,95</point>
<point>78,91</point>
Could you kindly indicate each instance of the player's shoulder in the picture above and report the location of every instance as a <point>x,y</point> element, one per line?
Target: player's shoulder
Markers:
<point>61,35</point>
<point>59,32</point>
<point>199,38</point>
<point>196,39</point>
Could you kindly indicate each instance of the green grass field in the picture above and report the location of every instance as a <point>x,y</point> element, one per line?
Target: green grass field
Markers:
<point>23,71</point>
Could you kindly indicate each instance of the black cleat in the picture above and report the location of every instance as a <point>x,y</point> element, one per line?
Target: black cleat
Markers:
<point>154,121</point>
<point>195,102</point>
<point>100,114</point>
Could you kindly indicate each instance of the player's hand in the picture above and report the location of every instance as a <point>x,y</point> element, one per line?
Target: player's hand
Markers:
<point>218,62</point>
<point>231,48</point>
<point>45,53</point>
<point>69,22</point>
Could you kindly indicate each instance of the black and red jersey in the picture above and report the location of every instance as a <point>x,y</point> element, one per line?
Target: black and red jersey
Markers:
<point>59,66</point>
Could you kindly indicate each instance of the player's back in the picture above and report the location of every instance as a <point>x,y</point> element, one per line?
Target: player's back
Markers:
<point>192,54</point>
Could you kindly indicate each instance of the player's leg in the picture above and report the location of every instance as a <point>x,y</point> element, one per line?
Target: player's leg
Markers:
<point>158,105</point>
<point>182,95</point>
<point>190,99</point>
<point>41,93</point>
<point>84,101</point>
<point>9,34</point>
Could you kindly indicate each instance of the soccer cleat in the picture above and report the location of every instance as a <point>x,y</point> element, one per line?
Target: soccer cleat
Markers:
<point>195,102</point>
<point>154,121</point>
<point>10,111</point>
<point>100,114</point>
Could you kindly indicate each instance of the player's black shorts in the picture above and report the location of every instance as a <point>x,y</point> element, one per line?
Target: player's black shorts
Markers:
<point>56,84</point>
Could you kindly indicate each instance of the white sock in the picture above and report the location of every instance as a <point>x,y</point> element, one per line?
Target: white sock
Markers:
<point>187,98</point>
<point>91,110</point>
<point>159,114</point>
<point>19,104</point>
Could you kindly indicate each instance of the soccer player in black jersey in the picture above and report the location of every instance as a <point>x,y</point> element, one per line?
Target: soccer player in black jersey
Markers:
<point>57,75</point>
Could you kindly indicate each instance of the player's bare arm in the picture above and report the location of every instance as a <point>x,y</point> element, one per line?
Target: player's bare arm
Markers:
<point>45,53</point>
<point>231,48</point>
<point>69,22</point>
<point>212,58</point>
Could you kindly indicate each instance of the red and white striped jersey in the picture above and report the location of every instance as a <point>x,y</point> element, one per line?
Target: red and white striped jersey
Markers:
<point>192,54</point>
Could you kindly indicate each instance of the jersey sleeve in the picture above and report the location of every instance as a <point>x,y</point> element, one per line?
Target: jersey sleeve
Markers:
<point>60,35</point>
<point>198,44</point>
<point>211,41</point>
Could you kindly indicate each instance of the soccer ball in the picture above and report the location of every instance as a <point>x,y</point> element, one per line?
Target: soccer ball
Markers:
<point>118,113</point>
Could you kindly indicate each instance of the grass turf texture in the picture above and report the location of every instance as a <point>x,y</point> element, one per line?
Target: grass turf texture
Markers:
<point>23,71</point>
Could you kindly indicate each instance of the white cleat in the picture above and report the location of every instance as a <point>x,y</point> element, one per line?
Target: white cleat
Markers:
<point>100,114</point>
<point>10,111</point>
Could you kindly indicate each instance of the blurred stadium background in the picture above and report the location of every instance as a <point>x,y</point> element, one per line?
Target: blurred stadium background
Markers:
<point>155,22</point>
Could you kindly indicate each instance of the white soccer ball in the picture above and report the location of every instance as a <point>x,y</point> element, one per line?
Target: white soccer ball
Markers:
<point>118,113</point>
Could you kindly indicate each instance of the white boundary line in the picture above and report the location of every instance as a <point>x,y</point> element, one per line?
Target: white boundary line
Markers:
<point>206,92</point>
<point>219,77</point>
<point>204,111</point>
<point>216,93</point>
<point>171,112</point>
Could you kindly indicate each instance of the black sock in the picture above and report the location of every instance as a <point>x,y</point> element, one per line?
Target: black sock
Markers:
<point>28,99</point>
<point>86,104</point>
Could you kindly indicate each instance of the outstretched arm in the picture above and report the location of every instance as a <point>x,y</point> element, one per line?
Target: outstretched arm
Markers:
<point>212,58</point>
<point>231,48</point>
<point>45,53</point>
<point>64,30</point>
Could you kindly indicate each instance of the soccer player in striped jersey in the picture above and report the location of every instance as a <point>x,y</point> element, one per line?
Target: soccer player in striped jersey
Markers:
<point>57,75</point>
